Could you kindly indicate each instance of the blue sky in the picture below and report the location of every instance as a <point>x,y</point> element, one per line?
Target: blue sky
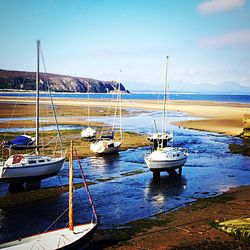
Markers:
<point>208,41</point>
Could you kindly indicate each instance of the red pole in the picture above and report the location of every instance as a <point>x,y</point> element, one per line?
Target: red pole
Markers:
<point>71,173</point>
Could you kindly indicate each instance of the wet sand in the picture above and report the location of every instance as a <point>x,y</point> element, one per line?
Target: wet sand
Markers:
<point>221,117</point>
<point>190,227</point>
<point>69,112</point>
<point>225,118</point>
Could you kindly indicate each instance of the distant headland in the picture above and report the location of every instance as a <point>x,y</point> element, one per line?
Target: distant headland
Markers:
<point>21,80</point>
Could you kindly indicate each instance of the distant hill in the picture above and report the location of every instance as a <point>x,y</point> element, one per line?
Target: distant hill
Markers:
<point>20,80</point>
<point>180,87</point>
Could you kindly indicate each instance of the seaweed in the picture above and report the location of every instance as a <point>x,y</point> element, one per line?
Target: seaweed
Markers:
<point>238,228</point>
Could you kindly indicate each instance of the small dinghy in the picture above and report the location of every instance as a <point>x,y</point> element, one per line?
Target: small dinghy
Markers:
<point>88,133</point>
<point>20,142</point>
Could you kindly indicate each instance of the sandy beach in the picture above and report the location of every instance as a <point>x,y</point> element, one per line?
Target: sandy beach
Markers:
<point>219,117</point>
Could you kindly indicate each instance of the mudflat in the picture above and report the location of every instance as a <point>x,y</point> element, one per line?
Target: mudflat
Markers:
<point>189,227</point>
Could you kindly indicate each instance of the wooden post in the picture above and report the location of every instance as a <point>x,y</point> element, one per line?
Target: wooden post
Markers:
<point>156,175</point>
<point>71,173</point>
<point>180,172</point>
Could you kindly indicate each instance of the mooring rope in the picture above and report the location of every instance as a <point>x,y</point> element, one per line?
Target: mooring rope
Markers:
<point>86,187</point>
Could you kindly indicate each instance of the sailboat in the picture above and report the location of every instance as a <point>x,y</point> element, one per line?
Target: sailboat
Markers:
<point>107,144</point>
<point>71,237</point>
<point>88,133</point>
<point>165,158</point>
<point>19,168</point>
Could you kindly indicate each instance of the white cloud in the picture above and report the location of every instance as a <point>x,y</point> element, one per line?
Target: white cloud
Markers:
<point>213,6</point>
<point>185,72</point>
<point>239,38</point>
<point>244,79</point>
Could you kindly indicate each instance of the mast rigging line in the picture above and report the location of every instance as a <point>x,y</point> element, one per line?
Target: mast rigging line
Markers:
<point>118,103</point>
<point>105,123</point>
<point>86,186</point>
<point>88,104</point>
<point>52,104</point>
<point>120,100</point>
<point>51,225</point>
<point>13,110</point>
<point>164,100</point>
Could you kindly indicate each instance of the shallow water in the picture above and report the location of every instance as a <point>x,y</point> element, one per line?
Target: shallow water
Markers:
<point>32,129</point>
<point>44,128</point>
<point>211,169</point>
<point>142,96</point>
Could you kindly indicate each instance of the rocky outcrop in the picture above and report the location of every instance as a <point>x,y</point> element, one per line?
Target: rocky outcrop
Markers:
<point>20,80</point>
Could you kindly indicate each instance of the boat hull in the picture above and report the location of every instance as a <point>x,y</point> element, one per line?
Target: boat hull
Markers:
<point>57,239</point>
<point>29,172</point>
<point>105,147</point>
<point>156,166</point>
<point>166,159</point>
<point>88,133</point>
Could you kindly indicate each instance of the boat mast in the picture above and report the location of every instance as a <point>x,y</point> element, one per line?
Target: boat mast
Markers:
<point>71,173</point>
<point>118,105</point>
<point>88,104</point>
<point>164,101</point>
<point>37,97</point>
<point>120,99</point>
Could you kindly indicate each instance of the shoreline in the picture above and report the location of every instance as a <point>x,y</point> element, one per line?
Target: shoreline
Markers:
<point>9,91</point>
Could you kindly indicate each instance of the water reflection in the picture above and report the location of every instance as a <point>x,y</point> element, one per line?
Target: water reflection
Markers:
<point>167,187</point>
<point>107,161</point>
<point>103,166</point>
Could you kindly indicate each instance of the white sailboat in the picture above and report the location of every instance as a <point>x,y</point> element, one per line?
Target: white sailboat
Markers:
<point>107,144</point>
<point>71,237</point>
<point>20,168</point>
<point>166,158</point>
<point>88,133</point>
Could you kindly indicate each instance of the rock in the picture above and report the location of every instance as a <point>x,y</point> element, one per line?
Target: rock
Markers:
<point>246,125</point>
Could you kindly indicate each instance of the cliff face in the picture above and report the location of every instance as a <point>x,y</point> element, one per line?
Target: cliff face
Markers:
<point>20,80</point>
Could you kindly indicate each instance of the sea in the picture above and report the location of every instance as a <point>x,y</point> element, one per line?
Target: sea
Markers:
<point>124,189</point>
<point>143,96</point>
